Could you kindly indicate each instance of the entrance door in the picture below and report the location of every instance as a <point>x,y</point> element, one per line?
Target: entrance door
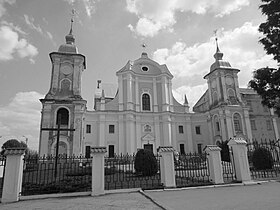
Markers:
<point>148,147</point>
<point>111,151</point>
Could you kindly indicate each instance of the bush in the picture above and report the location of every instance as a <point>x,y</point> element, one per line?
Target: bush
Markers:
<point>225,156</point>
<point>145,163</point>
<point>262,159</point>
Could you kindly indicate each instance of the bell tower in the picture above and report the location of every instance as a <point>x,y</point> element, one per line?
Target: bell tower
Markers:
<point>64,99</point>
<point>222,82</point>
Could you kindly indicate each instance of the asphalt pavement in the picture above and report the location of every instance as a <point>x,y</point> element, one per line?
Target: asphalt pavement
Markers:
<point>263,196</point>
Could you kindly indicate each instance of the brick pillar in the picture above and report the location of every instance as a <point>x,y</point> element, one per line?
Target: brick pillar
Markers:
<point>13,175</point>
<point>98,154</point>
<point>240,158</point>
<point>167,168</point>
<point>215,164</point>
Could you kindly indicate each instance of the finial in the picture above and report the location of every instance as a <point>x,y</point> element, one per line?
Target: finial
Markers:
<point>98,83</point>
<point>103,94</point>
<point>218,55</point>
<point>144,54</point>
<point>73,12</point>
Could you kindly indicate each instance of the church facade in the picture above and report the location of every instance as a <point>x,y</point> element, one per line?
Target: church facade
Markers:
<point>143,112</point>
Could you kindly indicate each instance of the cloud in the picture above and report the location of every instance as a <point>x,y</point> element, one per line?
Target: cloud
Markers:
<point>21,117</point>
<point>2,6</point>
<point>89,5</point>
<point>189,64</point>
<point>30,22</point>
<point>11,44</point>
<point>158,15</point>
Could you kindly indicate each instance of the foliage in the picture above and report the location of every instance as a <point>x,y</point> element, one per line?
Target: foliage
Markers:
<point>262,159</point>
<point>13,143</point>
<point>225,156</point>
<point>266,80</point>
<point>145,163</point>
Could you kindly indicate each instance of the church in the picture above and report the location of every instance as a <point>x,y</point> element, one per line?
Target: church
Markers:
<point>143,112</point>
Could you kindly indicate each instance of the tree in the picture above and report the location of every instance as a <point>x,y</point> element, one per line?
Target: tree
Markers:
<point>266,80</point>
<point>13,143</point>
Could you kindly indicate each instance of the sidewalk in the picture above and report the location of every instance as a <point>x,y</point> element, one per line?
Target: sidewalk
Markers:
<point>120,201</point>
<point>264,196</point>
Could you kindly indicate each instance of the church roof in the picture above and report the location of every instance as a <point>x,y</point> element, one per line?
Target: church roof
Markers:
<point>145,66</point>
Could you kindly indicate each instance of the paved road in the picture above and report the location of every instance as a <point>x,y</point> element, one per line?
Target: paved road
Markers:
<point>265,196</point>
<point>121,201</point>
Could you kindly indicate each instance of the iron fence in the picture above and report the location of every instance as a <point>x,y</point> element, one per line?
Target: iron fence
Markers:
<point>2,172</point>
<point>270,171</point>
<point>192,169</point>
<point>120,174</point>
<point>228,168</point>
<point>73,174</point>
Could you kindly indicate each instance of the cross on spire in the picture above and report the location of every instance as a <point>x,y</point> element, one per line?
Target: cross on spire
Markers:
<point>73,13</point>
<point>144,45</point>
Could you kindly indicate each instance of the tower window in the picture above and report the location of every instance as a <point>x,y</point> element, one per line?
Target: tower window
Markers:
<point>145,68</point>
<point>268,125</point>
<point>197,130</point>
<point>88,129</point>
<point>181,129</point>
<point>237,123</point>
<point>64,116</point>
<point>146,104</point>
<point>111,128</point>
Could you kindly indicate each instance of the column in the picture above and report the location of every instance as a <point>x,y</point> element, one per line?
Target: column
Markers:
<point>138,132</point>
<point>121,134</point>
<point>129,92</point>
<point>219,88</point>
<point>75,80</point>
<point>120,81</point>
<point>274,125</point>
<point>209,91</point>
<point>157,131</point>
<point>56,63</point>
<point>13,175</point>
<point>166,130</point>
<point>248,125</point>
<point>130,134</point>
<point>222,123</point>
<point>164,94</point>
<point>174,132</point>
<point>215,164</point>
<point>98,154</point>
<point>229,123</point>
<point>45,123</point>
<point>155,95</point>
<point>167,168</point>
<point>189,134</point>
<point>102,130</point>
<point>170,96</point>
<point>224,87</point>
<point>137,94</point>
<point>240,158</point>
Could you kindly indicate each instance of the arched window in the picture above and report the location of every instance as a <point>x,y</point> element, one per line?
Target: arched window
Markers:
<point>237,123</point>
<point>64,116</point>
<point>146,104</point>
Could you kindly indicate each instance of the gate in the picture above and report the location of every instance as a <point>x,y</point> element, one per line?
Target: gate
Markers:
<point>192,169</point>
<point>2,173</point>
<point>229,169</point>
<point>120,174</point>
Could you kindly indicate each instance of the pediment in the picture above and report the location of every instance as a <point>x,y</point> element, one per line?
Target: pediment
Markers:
<point>148,137</point>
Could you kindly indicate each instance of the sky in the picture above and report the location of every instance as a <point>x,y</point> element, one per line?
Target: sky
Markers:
<point>178,33</point>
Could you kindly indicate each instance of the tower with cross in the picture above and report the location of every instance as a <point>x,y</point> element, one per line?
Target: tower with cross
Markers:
<point>64,99</point>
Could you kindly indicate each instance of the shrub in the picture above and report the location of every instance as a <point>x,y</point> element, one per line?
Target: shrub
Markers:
<point>225,151</point>
<point>262,159</point>
<point>145,163</point>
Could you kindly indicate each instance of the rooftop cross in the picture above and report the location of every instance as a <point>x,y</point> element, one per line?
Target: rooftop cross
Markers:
<point>73,13</point>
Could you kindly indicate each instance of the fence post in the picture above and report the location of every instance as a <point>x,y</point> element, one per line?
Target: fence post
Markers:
<point>240,158</point>
<point>98,154</point>
<point>13,175</point>
<point>167,169</point>
<point>215,164</point>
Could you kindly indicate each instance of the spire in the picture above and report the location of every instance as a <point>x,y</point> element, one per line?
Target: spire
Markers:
<point>144,54</point>
<point>186,100</point>
<point>218,55</point>
<point>103,94</point>
<point>70,38</point>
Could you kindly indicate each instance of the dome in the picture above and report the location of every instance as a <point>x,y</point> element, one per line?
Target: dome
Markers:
<point>70,46</point>
<point>219,63</point>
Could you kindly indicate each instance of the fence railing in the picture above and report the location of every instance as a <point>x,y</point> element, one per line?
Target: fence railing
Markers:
<point>272,170</point>
<point>120,174</point>
<point>2,172</point>
<point>191,169</point>
<point>73,175</point>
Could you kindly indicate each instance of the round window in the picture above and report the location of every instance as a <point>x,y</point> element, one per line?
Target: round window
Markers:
<point>145,68</point>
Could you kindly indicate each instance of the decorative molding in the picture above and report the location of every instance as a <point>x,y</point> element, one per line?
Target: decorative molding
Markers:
<point>14,151</point>
<point>98,149</point>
